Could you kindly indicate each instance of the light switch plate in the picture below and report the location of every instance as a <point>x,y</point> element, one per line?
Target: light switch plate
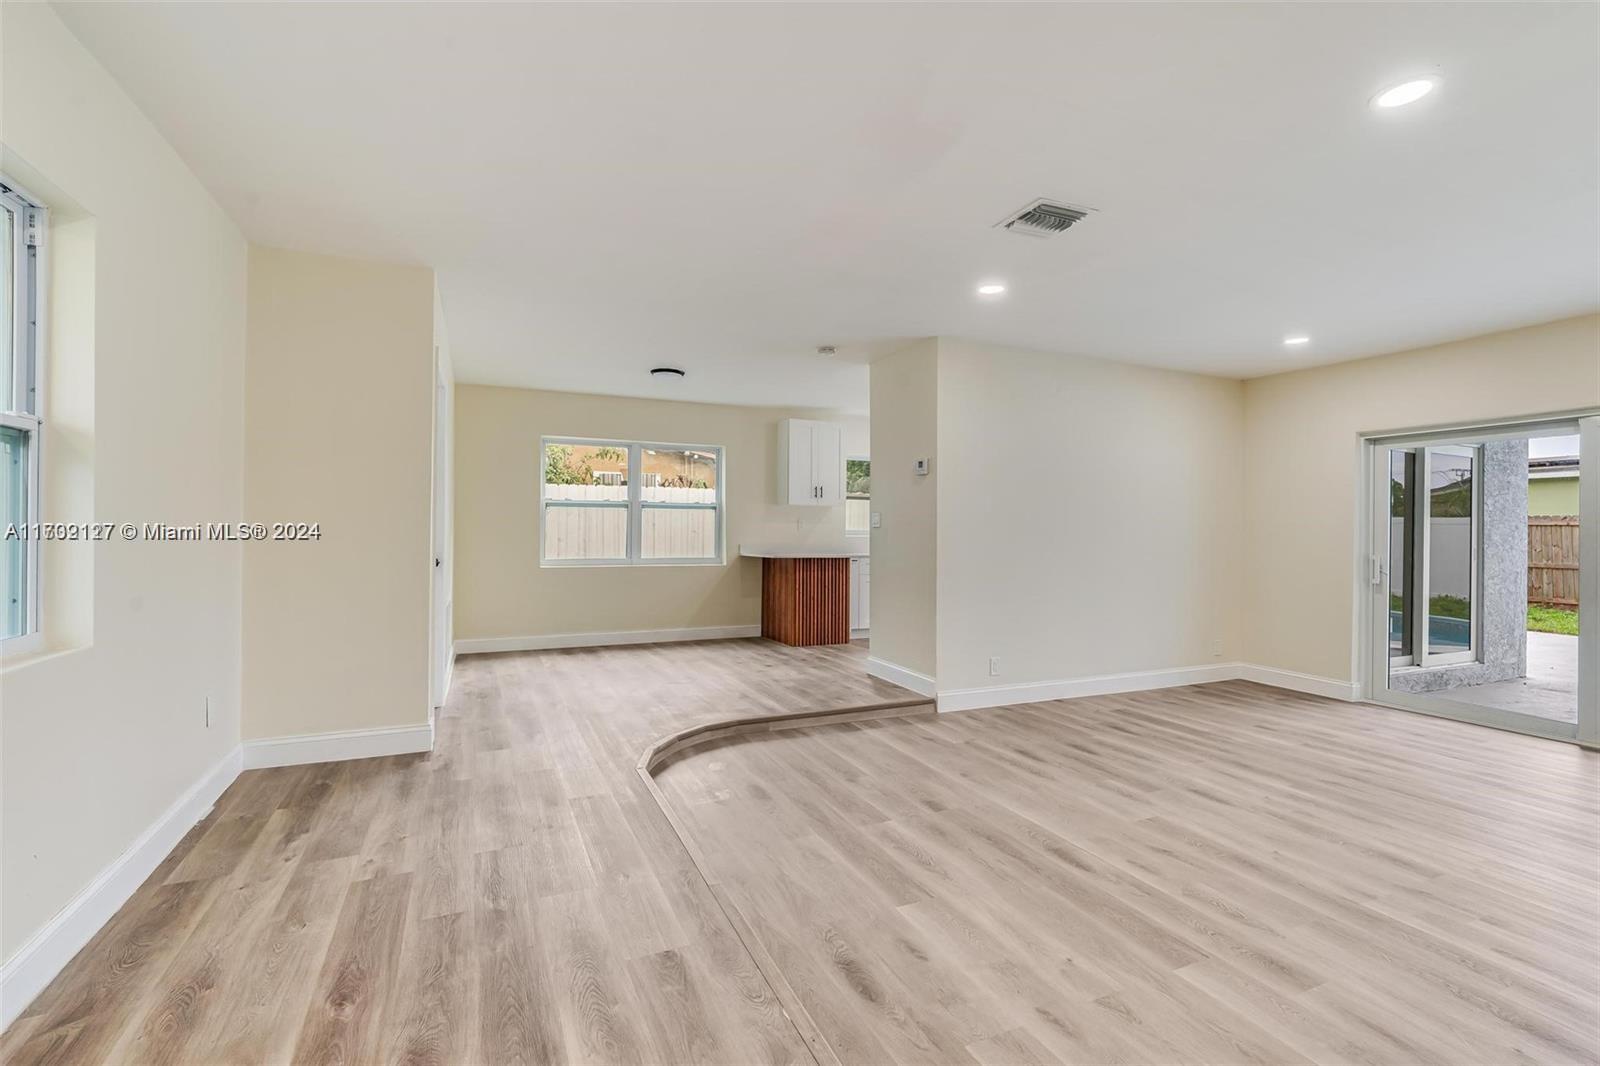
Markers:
<point>922,468</point>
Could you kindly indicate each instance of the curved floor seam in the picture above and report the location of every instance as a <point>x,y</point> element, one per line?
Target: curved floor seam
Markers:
<point>682,741</point>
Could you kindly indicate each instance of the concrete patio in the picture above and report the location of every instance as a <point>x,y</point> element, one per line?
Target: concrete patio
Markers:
<point>1549,691</point>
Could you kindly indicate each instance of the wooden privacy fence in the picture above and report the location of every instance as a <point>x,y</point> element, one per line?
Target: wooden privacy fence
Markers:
<point>1553,560</point>
<point>600,531</point>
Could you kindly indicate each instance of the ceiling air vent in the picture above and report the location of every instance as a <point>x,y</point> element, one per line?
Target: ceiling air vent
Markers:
<point>1044,218</point>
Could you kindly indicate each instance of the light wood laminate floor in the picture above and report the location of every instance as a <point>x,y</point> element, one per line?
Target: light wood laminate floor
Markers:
<point>516,896</point>
<point>1218,874</point>
<point>1221,873</point>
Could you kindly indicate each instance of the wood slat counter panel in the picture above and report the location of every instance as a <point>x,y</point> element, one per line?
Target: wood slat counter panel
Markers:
<point>806,601</point>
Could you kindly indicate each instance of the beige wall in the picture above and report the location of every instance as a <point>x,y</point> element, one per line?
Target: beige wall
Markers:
<point>101,737</point>
<point>441,588</point>
<point>1089,517</point>
<point>1553,496</point>
<point>1303,459</point>
<point>500,588</point>
<point>905,399</point>
<point>339,400</point>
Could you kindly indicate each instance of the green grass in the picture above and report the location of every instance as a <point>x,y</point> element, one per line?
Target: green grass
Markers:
<point>1540,619</point>
<point>1552,620</point>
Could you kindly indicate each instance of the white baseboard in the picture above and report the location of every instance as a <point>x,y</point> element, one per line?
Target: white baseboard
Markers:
<point>38,961</point>
<point>1330,687</point>
<point>970,699</point>
<point>601,640</point>
<point>921,684</point>
<point>336,747</point>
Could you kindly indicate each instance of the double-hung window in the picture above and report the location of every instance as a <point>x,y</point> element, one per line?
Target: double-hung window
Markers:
<point>22,226</point>
<point>605,502</point>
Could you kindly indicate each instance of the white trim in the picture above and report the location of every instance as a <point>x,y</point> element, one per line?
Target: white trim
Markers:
<point>38,961</point>
<point>481,645</point>
<point>970,699</point>
<point>1589,584</point>
<point>895,674</point>
<point>19,647</point>
<point>29,278</point>
<point>449,678</point>
<point>1315,684</point>
<point>336,747</point>
<point>1555,423</point>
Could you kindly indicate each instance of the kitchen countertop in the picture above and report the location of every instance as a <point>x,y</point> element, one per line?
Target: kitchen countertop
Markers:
<point>800,551</point>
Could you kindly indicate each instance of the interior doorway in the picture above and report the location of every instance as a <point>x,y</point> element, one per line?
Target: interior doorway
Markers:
<point>1482,582</point>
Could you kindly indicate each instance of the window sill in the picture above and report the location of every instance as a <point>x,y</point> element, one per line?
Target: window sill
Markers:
<point>15,659</point>
<point>26,646</point>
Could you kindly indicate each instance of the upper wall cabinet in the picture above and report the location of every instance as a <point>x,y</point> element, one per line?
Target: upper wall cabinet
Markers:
<point>810,463</point>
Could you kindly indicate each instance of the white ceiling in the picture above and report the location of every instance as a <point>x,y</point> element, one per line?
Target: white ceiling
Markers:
<point>606,188</point>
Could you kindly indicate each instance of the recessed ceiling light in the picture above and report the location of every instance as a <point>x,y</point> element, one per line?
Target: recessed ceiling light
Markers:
<point>1407,92</point>
<point>827,350</point>
<point>1296,340</point>
<point>992,288</point>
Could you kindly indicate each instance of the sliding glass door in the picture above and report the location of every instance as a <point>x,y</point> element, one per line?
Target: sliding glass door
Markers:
<point>1476,576</point>
<point>1434,544</point>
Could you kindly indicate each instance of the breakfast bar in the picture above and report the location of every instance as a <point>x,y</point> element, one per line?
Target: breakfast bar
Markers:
<point>805,593</point>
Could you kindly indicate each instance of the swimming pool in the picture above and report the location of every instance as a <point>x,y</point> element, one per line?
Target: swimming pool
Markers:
<point>1444,633</point>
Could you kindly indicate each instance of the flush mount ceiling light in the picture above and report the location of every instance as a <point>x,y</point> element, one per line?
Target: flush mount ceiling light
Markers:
<point>671,373</point>
<point>1407,92</point>
<point>991,288</point>
<point>1296,340</point>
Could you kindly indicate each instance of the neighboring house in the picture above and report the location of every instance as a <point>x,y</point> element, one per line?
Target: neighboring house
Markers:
<point>1553,485</point>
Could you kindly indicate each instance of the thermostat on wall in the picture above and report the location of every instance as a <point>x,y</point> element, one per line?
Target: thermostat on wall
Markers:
<point>922,468</point>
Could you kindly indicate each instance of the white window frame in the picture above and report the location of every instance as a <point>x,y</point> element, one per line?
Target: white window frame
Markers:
<point>856,532</point>
<point>1474,649</point>
<point>28,274</point>
<point>636,504</point>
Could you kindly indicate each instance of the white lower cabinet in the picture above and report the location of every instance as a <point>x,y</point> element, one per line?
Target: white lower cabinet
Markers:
<point>860,593</point>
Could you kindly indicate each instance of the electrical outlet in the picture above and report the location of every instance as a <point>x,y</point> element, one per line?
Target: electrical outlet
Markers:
<point>1216,647</point>
<point>994,666</point>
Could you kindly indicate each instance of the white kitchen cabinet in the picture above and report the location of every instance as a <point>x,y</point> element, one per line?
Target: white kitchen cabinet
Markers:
<point>810,463</point>
<point>861,593</point>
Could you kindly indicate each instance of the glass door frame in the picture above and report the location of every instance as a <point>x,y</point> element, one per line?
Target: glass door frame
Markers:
<point>1373,591</point>
<point>1420,577</point>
